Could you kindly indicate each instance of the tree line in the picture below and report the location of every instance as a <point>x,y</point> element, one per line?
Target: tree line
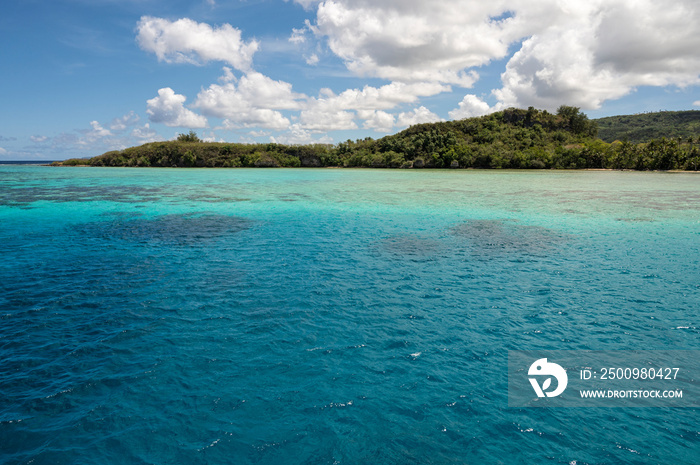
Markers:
<point>509,139</point>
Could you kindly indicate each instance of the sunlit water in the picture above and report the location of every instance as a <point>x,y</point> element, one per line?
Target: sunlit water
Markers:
<point>333,316</point>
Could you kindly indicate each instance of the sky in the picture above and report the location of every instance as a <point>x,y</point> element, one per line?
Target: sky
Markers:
<point>82,77</point>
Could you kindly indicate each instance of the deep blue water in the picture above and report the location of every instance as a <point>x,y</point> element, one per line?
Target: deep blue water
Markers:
<point>295,316</point>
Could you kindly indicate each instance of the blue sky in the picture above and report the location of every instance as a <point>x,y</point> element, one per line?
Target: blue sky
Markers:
<point>81,77</point>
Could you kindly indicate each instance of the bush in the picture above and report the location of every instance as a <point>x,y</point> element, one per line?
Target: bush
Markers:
<point>75,162</point>
<point>190,137</point>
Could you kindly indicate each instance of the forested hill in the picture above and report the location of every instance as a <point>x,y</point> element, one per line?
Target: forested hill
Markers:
<point>512,138</point>
<point>647,126</point>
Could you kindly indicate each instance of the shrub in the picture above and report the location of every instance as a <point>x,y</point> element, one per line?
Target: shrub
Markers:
<point>190,137</point>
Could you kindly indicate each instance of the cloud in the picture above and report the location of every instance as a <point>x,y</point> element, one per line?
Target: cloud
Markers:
<point>378,120</point>
<point>7,139</point>
<point>306,3</point>
<point>566,51</point>
<point>121,123</point>
<point>144,134</point>
<point>256,118</point>
<point>322,120</point>
<point>253,100</point>
<point>334,112</point>
<point>303,40</point>
<point>97,138</point>
<point>379,98</point>
<point>298,36</point>
<point>598,51</point>
<point>3,151</point>
<point>414,40</point>
<point>256,100</point>
<point>553,52</point>
<point>557,66</point>
<point>656,43</point>
<point>253,89</point>
<point>96,134</point>
<point>97,131</point>
<point>186,41</point>
<point>210,137</point>
<point>258,133</point>
<point>67,141</point>
<point>471,106</point>
<point>298,135</point>
<point>696,103</point>
<point>416,116</point>
<point>168,108</point>
<point>228,75</point>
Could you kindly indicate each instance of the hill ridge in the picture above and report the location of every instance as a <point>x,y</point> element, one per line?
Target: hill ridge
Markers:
<point>644,127</point>
<point>512,138</point>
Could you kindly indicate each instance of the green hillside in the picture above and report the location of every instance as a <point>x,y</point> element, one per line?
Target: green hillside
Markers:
<point>647,126</point>
<point>512,138</point>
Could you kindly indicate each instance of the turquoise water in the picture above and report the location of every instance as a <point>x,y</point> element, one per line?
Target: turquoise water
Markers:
<point>333,316</point>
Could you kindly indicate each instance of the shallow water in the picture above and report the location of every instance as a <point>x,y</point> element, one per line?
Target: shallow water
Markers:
<point>333,316</point>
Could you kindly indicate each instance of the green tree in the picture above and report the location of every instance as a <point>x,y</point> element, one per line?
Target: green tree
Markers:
<point>190,137</point>
<point>577,122</point>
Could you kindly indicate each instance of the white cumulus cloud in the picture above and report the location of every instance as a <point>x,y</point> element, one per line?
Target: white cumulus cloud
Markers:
<point>187,41</point>
<point>378,120</point>
<point>256,100</point>
<point>168,108</point>
<point>590,52</point>
<point>333,112</point>
<point>566,51</point>
<point>256,118</point>
<point>471,106</point>
<point>253,100</point>
<point>415,40</point>
<point>551,52</point>
<point>379,98</point>
<point>416,116</point>
<point>321,120</point>
<point>253,90</point>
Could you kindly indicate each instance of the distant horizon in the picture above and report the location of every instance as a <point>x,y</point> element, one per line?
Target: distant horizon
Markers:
<point>102,75</point>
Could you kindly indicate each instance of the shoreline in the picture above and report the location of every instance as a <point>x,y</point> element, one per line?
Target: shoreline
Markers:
<point>58,164</point>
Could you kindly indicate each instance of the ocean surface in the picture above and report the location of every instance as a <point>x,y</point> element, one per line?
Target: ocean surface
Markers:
<point>334,316</point>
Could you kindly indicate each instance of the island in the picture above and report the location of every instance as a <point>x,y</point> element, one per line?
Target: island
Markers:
<point>510,139</point>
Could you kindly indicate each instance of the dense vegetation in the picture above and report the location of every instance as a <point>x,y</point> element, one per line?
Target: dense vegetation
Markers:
<point>512,138</point>
<point>648,126</point>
